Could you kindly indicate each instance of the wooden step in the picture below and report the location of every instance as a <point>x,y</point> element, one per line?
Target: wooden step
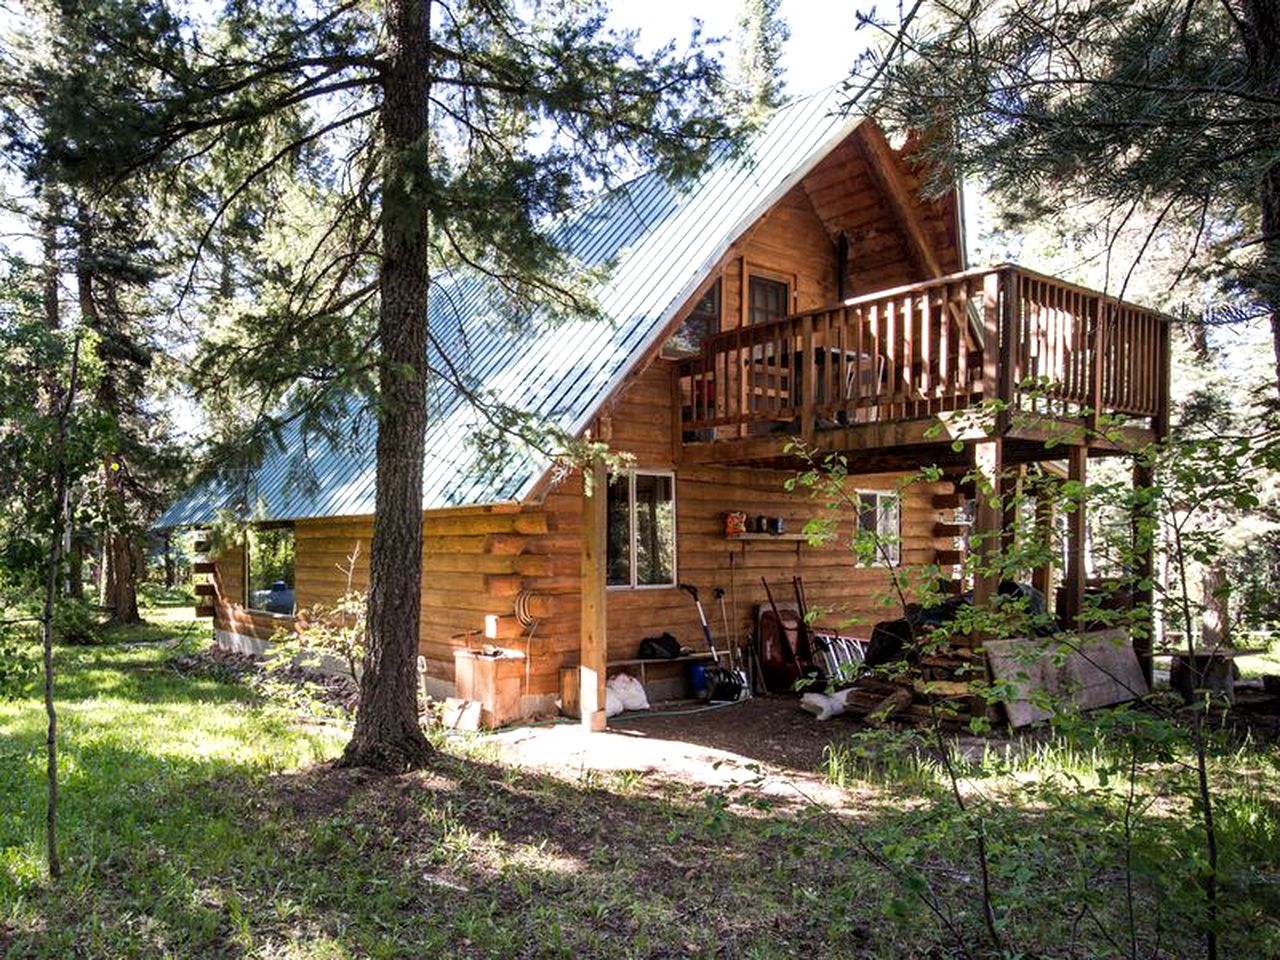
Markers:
<point>951,529</point>
<point>205,612</point>
<point>204,566</point>
<point>206,590</point>
<point>948,501</point>
<point>948,558</point>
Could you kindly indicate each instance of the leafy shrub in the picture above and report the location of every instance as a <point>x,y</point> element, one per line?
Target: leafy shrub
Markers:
<point>77,623</point>
<point>18,657</point>
<point>335,630</point>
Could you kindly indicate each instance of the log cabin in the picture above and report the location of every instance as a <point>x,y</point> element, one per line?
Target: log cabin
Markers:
<point>798,289</point>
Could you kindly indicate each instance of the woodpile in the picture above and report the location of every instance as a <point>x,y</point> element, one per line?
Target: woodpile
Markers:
<point>940,688</point>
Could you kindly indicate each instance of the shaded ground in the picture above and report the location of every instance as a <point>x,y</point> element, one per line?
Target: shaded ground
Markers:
<point>198,822</point>
<point>771,730</point>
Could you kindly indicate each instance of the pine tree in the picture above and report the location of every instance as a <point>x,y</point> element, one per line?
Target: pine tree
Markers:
<point>422,136</point>
<point>1170,108</point>
<point>762,33</point>
<point>95,232</point>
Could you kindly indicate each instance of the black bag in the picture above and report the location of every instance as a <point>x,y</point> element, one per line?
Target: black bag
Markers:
<point>665,647</point>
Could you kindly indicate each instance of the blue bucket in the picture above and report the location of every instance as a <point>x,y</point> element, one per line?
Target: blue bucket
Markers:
<point>698,679</point>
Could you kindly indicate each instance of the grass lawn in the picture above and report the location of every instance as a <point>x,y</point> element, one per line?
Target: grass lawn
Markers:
<point>199,820</point>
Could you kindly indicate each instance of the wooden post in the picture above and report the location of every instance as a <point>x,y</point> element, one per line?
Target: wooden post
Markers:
<point>677,412</point>
<point>1010,348</point>
<point>1095,372</point>
<point>594,627</point>
<point>1042,576</point>
<point>991,385</point>
<point>807,369</point>
<point>1144,566</point>
<point>1010,496</point>
<point>987,455</point>
<point>1075,578</point>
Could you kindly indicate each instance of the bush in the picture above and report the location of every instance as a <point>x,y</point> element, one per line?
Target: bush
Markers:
<point>151,594</point>
<point>18,657</point>
<point>77,623</point>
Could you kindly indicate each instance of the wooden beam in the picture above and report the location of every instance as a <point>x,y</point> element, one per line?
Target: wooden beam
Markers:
<point>1011,488</point>
<point>884,170</point>
<point>1074,581</point>
<point>988,514</point>
<point>593,641</point>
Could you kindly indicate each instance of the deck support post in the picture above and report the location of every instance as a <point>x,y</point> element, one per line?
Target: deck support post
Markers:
<point>593,637</point>
<point>1074,583</point>
<point>1042,575</point>
<point>988,516</point>
<point>1143,592</point>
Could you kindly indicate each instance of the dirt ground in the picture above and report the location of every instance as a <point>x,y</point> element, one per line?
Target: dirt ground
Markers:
<point>768,743</point>
<point>771,730</point>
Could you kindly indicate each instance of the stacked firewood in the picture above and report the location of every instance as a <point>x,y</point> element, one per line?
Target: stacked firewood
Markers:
<point>938,687</point>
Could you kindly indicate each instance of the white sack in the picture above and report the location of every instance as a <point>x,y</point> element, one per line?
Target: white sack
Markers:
<point>825,707</point>
<point>628,690</point>
<point>612,703</point>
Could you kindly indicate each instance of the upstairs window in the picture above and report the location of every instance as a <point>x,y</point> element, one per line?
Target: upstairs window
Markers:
<point>268,570</point>
<point>702,322</point>
<point>768,300</point>
<point>880,516</point>
<point>641,550</point>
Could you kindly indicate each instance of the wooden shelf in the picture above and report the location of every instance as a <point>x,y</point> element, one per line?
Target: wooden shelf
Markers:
<point>745,538</point>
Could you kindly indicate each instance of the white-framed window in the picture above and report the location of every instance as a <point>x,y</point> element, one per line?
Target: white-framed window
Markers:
<point>641,541</point>
<point>880,515</point>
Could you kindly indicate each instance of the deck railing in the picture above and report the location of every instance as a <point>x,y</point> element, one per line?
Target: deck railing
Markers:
<point>1038,343</point>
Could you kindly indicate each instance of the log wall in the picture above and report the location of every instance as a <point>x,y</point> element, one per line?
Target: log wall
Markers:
<point>476,560</point>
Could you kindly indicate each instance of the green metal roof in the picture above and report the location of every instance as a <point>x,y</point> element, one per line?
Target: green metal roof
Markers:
<point>663,239</point>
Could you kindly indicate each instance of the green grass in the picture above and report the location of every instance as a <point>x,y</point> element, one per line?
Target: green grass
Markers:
<point>198,820</point>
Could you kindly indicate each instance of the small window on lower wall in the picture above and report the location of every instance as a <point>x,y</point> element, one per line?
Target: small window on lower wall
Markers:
<point>268,563</point>
<point>641,549</point>
<point>879,528</point>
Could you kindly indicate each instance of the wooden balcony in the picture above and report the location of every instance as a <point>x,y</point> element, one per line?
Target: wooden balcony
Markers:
<point>912,366</point>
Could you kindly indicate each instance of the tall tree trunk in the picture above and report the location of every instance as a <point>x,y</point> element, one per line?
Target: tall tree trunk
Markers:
<point>1215,622</point>
<point>63,411</point>
<point>122,579</point>
<point>120,571</point>
<point>1260,30</point>
<point>388,735</point>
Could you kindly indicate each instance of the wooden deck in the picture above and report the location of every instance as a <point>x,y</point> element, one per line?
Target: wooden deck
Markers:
<point>913,366</point>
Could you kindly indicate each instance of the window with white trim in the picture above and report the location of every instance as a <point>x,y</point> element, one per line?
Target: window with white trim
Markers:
<point>641,540</point>
<point>880,515</point>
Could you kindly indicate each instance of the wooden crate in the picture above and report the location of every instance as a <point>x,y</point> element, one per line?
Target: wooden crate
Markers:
<point>496,683</point>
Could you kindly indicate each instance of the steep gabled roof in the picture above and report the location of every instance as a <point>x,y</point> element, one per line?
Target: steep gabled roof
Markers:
<point>663,240</point>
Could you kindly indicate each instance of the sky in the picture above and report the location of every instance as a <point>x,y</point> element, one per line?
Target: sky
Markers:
<point>821,50</point>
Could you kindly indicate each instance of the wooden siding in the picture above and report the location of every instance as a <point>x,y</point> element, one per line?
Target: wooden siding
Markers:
<point>477,559</point>
<point>703,494</point>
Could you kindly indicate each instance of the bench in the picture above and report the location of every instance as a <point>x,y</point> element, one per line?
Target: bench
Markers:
<point>569,675</point>
<point>1205,668</point>
<point>641,662</point>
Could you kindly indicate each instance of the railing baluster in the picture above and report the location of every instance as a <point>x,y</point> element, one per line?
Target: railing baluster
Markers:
<point>906,353</point>
<point>926,350</point>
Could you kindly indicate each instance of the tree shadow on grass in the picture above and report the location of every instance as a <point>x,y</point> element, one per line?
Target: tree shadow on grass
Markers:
<point>196,857</point>
<point>193,843</point>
